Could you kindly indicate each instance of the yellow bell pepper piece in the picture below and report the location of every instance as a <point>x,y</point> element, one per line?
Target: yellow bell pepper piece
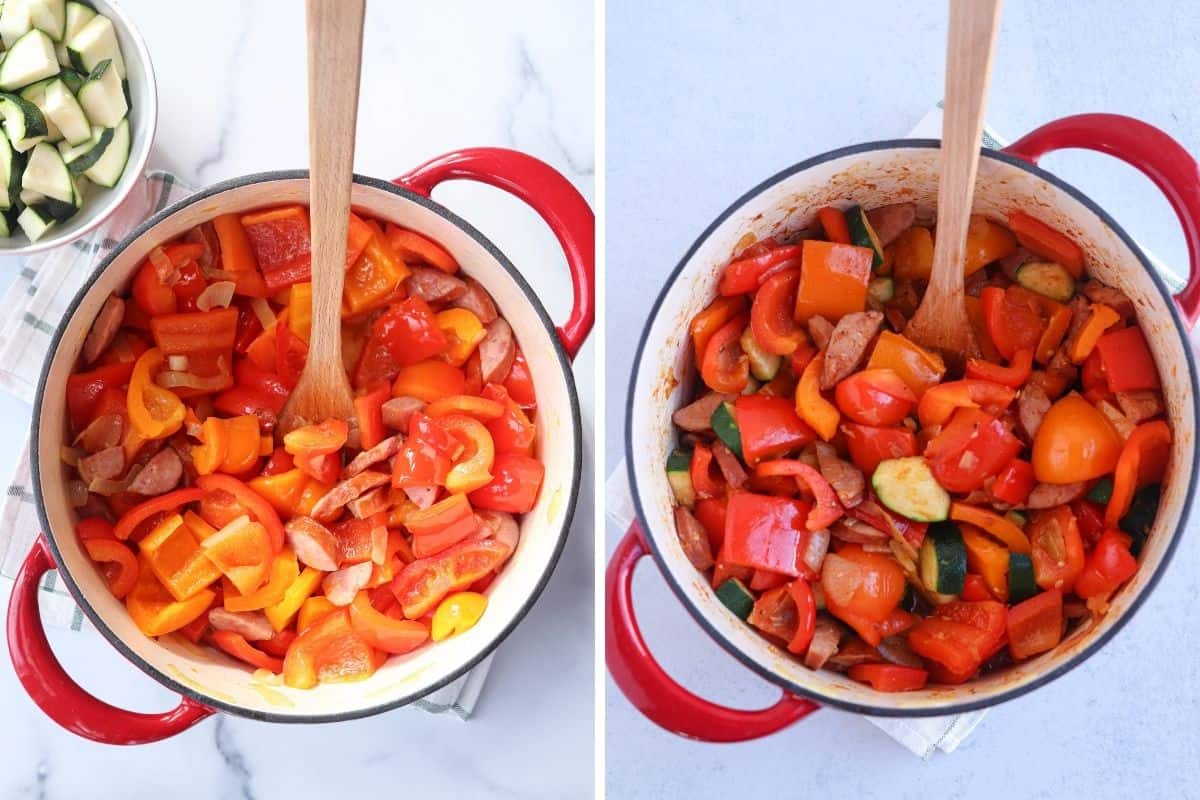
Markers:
<point>284,572</point>
<point>457,613</point>
<point>281,614</point>
<point>300,310</point>
<point>463,330</point>
<point>313,609</point>
<point>154,412</point>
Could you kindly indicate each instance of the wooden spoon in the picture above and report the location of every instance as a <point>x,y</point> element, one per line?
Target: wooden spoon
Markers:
<point>335,30</point>
<point>941,320</point>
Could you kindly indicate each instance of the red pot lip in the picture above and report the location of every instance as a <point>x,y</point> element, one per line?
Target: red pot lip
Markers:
<point>830,699</point>
<point>572,396</point>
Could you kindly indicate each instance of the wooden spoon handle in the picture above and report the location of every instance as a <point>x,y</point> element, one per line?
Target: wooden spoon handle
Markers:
<point>971,43</point>
<point>335,30</point>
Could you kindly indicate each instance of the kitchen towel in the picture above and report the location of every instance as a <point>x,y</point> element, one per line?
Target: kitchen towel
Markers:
<point>34,305</point>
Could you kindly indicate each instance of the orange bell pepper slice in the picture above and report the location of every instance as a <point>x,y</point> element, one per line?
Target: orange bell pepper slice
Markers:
<point>258,507</point>
<point>174,554</point>
<point>1039,238</point>
<point>415,248</point>
<point>979,327</point>
<point>156,612</point>
<point>383,632</point>
<point>281,613</point>
<point>154,412</point>
<point>1143,461</point>
<point>236,645</point>
<point>284,572</point>
<point>987,241</point>
<point>473,470</point>
<point>313,609</point>
<point>321,439</point>
<point>913,259</point>
<point>916,366</point>
<point>478,407</point>
<point>120,565</point>
<point>463,331</point>
<point>820,414</point>
<point>282,490</point>
<point>200,529</point>
<point>712,319</point>
<point>329,650</point>
<point>833,222</point>
<point>242,551</point>
<point>429,380</point>
<point>1101,319</point>
<point>993,524</point>
<point>299,308</point>
<point>1057,324</point>
<point>425,521</point>
<point>368,410</point>
<point>242,444</point>
<point>192,332</point>
<point>373,278</point>
<point>170,501</point>
<point>833,280</point>
<point>1014,375</point>
<point>358,234</point>
<point>988,559</point>
<point>939,403</point>
<point>208,456</point>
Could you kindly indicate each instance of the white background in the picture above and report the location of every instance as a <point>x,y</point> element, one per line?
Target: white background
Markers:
<point>231,81</point>
<point>704,103</point>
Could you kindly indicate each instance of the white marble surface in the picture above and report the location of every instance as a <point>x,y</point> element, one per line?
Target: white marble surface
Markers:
<point>701,106</point>
<point>232,89</point>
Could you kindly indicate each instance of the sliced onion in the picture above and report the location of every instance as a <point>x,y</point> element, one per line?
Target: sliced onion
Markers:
<point>877,547</point>
<point>101,433</point>
<point>818,546</point>
<point>216,295</point>
<point>163,267</point>
<point>77,493</point>
<point>177,362</point>
<point>188,380</point>
<point>262,310</point>
<point>107,487</point>
<point>824,644</point>
<point>70,455</point>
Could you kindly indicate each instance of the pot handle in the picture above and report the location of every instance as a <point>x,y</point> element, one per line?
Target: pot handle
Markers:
<point>653,692</point>
<point>1158,156</point>
<point>60,697</point>
<point>551,195</point>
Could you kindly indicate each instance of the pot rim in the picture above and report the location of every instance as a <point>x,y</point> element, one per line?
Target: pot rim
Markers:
<point>564,364</point>
<point>715,631</point>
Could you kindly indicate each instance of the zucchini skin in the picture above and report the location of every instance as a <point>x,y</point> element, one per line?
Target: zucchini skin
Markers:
<point>1021,583</point>
<point>734,595</point>
<point>863,235</point>
<point>943,559</point>
<point>724,424</point>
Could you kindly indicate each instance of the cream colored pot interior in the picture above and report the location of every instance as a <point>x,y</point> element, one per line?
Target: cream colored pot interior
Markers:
<point>664,381</point>
<point>226,682</point>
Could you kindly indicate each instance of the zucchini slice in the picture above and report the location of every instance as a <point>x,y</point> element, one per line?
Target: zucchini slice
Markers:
<point>36,94</point>
<point>679,475</point>
<point>1021,583</point>
<point>907,486</point>
<point>943,559</point>
<point>47,174</point>
<point>1139,519</point>
<point>1101,491</point>
<point>763,365</point>
<point>724,424</point>
<point>108,168</point>
<point>96,41</point>
<point>11,165</point>
<point>103,97</point>
<point>15,21</point>
<point>81,157</point>
<point>65,113</point>
<point>35,221</point>
<point>78,15</point>
<point>881,290</point>
<point>23,122</point>
<point>72,79</point>
<point>734,595</point>
<point>863,235</point>
<point>1047,279</point>
<point>48,16</point>
<point>30,59</point>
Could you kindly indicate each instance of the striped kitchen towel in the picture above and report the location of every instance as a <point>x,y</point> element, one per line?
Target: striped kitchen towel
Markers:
<point>34,306</point>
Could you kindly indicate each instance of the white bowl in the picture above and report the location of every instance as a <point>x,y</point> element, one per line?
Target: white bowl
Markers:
<point>100,203</point>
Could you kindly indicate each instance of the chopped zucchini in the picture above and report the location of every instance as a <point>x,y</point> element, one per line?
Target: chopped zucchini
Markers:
<point>1102,491</point>
<point>47,174</point>
<point>48,16</point>
<point>679,475</point>
<point>881,290</point>
<point>81,157</point>
<point>15,21</point>
<point>863,235</point>
<point>102,96</point>
<point>763,365</point>
<point>36,94</point>
<point>78,15</point>
<point>1139,519</point>
<point>734,595</point>
<point>30,59</point>
<point>96,41</point>
<point>111,164</point>
<point>72,79</point>
<point>943,561</point>
<point>23,122</point>
<point>63,110</point>
<point>35,221</point>
<point>724,424</point>
<point>906,486</point>
<point>1021,584</point>
<point>11,165</point>
<point>1048,279</point>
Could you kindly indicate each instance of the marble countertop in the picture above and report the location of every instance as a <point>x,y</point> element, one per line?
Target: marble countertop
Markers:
<point>754,88</point>
<point>232,93</point>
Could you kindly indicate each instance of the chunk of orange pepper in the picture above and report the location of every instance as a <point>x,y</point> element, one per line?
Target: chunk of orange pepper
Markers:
<point>174,554</point>
<point>154,412</point>
<point>822,415</point>
<point>156,612</point>
<point>284,572</point>
<point>833,280</point>
<point>281,614</point>
<point>330,650</point>
<point>242,551</point>
<point>918,367</point>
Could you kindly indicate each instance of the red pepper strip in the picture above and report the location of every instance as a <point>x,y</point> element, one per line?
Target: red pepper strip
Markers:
<point>743,276</point>
<point>826,510</point>
<point>155,505</point>
<point>258,507</point>
<point>1014,375</point>
<point>704,481</point>
<point>806,614</point>
<point>1142,462</point>
<point>236,645</point>
<point>1014,483</point>
<point>833,221</point>
<point>1128,364</point>
<point>889,677</point>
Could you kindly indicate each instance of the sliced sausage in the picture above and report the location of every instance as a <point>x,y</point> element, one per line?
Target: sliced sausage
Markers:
<point>103,432</point>
<point>499,525</point>
<point>1115,299</point>
<point>253,626</point>
<point>161,474</point>
<point>889,222</point>
<point>432,285</point>
<point>340,587</point>
<point>820,330</point>
<point>848,345</point>
<point>1081,309</point>
<point>1140,406</point>
<point>497,351</point>
<point>396,412</point>
<point>477,300</point>
<point>1010,264</point>
<point>1049,495</point>
<point>369,458</point>
<point>327,507</point>
<point>845,478</point>
<point>422,496</point>
<point>693,538</point>
<point>1121,423</point>
<point>824,644</point>
<point>314,544</point>
<point>697,416</point>
<point>1032,406</point>
<point>855,652</point>
<point>731,467</point>
<point>104,329</point>
<point>106,464</point>
<point>370,503</point>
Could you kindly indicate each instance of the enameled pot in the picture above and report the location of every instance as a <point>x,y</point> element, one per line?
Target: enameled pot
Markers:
<point>207,680</point>
<point>663,378</point>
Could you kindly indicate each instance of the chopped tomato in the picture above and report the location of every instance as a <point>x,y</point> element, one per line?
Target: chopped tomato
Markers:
<point>862,586</point>
<point>1013,317</point>
<point>960,635</point>
<point>1014,483</point>
<point>1108,566</point>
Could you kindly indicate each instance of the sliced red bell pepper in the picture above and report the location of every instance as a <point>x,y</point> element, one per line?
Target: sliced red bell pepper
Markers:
<point>258,507</point>
<point>236,645</point>
<point>368,410</point>
<point>516,482</point>
<point>826,509</point>
<point>155,505</point>
<point>281,242</point>
<point>1014,375</point>
<point>833,222</point>
<point>744,275</point>
<point>512,431</point>
<point>195,331</point>
<point>869,445</point>
<point>1040,238</point>
<point>425,457</point>
<point>889,677</point>
<point>85,390</point>
<point>1127,362</point>
<point>1035,625</point>
<point>769,427</point>
<point>1142,462</point>
<point>290,354</point>
<point>405,334</point>
<point>190,286</point>
<point>767,533</point>
<point>706,479</point>
<point>413,247</point>
<point>1013,318</point>
<point>519,383</point>
<point>806,615</point>
<point>255,392</point>
<point>724,366</point>
<point>1108,566</point>
<point>972,447</point>
<point>975,588</point>
<point>1014,483</point>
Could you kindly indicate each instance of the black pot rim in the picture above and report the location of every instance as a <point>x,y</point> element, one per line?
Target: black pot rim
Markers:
<point>865,708</point>
<point>231,708</point>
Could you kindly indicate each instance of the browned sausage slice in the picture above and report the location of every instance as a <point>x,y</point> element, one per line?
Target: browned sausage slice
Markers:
<point>341,586</point>
<point>845,478</point>
<point>694,539</point>
<point>253,626</point>
<point>327,507</point>
<point>314,544</point>
<point>422,496</point>
<point>848,345</point>
<point>105,465</point>
<point>824,644</point>
<point>432,285</point>
<point>370,503</point>
<point>396,412</point>
<point>820,330</point>
<point>368,458</point>
<point>889,222</point>
<point>161,474</point>
<point>1049,495</point>
<point>697,416</point>
<point>731,468</point>
<point>104,329</point>
<point>497,351</point>
<point>1032,406</point>
<point>1140,406</point>
<point>477,300</point>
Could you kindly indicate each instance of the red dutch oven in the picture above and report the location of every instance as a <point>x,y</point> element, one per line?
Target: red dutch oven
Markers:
<point>875,174</point>
<point>207,680</point>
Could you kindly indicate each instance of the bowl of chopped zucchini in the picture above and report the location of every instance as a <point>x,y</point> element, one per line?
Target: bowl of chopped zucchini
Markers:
<point>78,111</point>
